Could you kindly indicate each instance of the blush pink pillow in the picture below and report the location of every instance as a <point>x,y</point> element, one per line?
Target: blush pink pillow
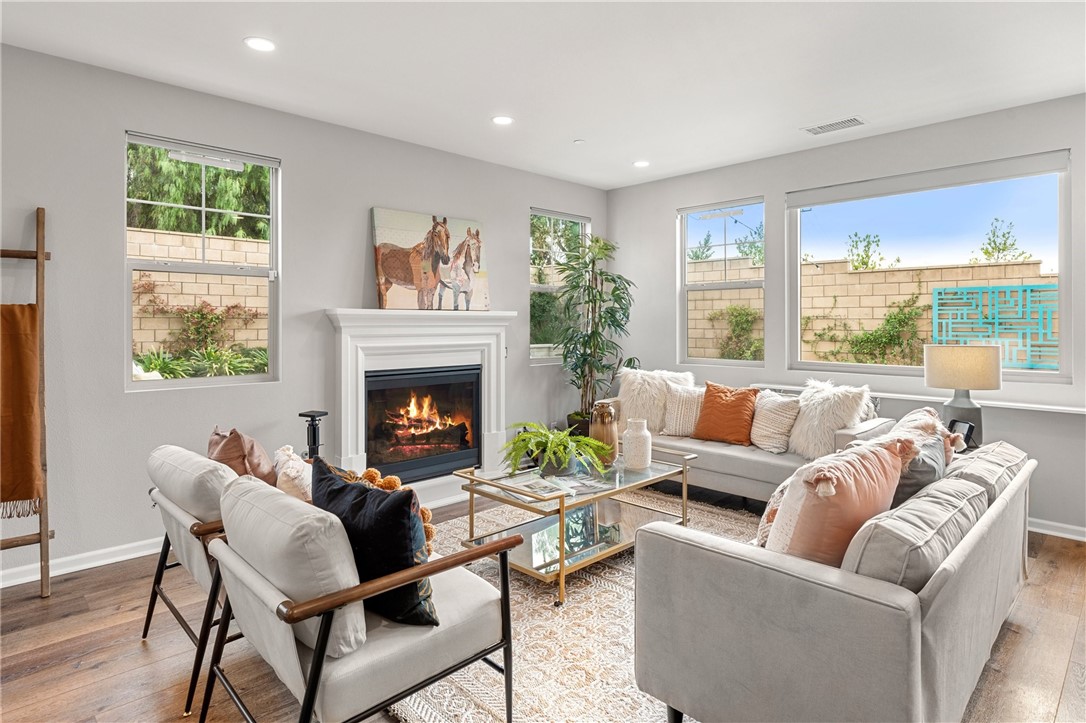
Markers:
<point>830,498</point>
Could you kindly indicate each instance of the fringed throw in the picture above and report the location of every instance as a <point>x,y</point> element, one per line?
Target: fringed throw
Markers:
<point>21,477</point>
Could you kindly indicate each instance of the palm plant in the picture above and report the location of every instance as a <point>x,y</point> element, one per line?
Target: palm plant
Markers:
<point>595,311</point>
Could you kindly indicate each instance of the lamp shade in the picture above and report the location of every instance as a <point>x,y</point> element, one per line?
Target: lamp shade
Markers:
<point>962,367</point>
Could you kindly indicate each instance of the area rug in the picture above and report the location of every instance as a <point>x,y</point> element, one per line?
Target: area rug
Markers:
<point>573,663</point>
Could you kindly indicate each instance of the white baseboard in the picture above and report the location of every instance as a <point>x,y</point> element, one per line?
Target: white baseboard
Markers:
<point>1057,529</point>
<point>82,561</point>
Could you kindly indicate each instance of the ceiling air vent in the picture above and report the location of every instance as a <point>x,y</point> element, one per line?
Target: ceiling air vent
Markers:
<point>835,126</point>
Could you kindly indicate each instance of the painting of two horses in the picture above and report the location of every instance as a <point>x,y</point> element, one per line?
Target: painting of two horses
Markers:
<point>426,261</point>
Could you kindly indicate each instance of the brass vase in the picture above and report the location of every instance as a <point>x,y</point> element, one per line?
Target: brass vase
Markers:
<point>604,427</point>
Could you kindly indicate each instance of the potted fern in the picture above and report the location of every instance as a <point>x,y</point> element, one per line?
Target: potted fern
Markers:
<point>595,311</point>
<point>554,450</point>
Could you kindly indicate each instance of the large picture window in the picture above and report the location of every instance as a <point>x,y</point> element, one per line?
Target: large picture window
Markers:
<point>550,234</point>
<point>723,262</point>
<point>202,262</point>
<point>959,256</point>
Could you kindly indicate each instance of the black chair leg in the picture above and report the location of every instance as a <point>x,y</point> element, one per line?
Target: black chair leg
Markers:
<point>216,656</point>
<point>154,585</point>
<point>674,716</point>
<point>205,633</point>
<point>507,633</point>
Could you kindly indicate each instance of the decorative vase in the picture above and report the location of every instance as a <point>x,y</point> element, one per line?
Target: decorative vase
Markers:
<point>637,444</point>
<point>604,428</point>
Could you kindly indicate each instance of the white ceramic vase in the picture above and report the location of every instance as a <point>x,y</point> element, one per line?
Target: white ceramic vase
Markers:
<point>636,444</point>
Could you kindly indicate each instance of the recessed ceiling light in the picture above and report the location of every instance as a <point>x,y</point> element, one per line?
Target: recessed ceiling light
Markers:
<point>578,141</point>
<point>641,164</point>
<point>262,44</point>
<point>502,120</point>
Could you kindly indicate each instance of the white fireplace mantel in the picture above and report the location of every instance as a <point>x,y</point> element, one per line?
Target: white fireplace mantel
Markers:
<point>383,339</point>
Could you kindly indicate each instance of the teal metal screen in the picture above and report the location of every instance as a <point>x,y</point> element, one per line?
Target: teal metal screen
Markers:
<point>1021,319</point>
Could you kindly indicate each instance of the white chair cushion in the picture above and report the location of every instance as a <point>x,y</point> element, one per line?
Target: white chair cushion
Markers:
<point>190,480</point>
<point>298,548</point>
<point>398,656</point>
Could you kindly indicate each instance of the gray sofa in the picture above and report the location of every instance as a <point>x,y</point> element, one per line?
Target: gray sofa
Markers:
<point>727,631</point>
<point>746,471</point>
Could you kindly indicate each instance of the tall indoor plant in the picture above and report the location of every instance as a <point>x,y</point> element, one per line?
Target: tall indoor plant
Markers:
<point>595,310</point>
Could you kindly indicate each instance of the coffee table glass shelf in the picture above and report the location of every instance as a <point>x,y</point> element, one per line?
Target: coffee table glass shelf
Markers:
<point>596,524</point>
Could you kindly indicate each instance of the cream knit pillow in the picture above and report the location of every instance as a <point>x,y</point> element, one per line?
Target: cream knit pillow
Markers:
<point>683,408</point>
<point>774,415</point>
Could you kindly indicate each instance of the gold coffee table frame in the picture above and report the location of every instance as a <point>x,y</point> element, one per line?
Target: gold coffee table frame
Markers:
<point>508,490</point>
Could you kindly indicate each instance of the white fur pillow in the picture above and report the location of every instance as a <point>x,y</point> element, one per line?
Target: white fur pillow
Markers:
<point>643,395</point>
<point>683,408</point>
<point>823,409</point>
<point>774,415</point>
<point>294,476</point>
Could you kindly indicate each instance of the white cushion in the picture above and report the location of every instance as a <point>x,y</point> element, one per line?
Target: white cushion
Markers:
<point>907,544</point>
<point>643,395</point>
<point>682,409</point>
<point>299,548</point>
<point>993,466</point>
<point>823,409</point>
<point>774,416</point>
<point>398,656</point>
<point>190,480</point>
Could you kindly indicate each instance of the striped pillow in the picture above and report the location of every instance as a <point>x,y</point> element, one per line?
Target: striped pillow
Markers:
<point>774,415</point>
<point>683,409</point>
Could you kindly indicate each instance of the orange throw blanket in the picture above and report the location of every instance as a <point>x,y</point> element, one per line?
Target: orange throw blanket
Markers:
<point>21,475</point>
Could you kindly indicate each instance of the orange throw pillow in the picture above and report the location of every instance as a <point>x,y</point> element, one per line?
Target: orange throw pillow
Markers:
<point>726,414</point>
<point>241,453</point>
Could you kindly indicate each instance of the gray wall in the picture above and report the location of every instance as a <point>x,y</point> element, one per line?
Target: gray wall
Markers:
<point>642,222</point>
<point>63,148</point>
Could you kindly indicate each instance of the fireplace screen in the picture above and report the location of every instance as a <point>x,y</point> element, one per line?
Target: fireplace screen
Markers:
<point>422,422</point>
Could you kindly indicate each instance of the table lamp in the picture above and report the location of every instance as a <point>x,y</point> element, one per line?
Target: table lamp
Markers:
<point>962,368</point>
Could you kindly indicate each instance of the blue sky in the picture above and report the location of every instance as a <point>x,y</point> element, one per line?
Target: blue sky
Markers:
<point>944,226</point>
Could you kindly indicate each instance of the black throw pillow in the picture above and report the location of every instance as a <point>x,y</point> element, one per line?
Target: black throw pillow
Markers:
<point>386,536</point>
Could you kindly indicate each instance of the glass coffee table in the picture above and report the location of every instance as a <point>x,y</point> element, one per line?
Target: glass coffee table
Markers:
<point>595,524</point>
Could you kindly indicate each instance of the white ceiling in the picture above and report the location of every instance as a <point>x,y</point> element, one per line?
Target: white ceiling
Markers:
<point>686,86</point>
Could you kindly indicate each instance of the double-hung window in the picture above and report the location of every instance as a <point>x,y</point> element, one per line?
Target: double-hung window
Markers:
<point>202,234</point>
<point>963,255</point>
<point>723,281</point>
<point>550,234</point>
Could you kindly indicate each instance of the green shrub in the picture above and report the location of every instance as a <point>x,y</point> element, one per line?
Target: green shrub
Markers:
<point>166,364</point>
<point>739,342</point>
<point>216,362</point>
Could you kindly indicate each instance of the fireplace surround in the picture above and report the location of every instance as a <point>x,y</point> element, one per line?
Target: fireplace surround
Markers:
<point>383,340</point>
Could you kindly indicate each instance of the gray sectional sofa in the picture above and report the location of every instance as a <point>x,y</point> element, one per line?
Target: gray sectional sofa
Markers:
<point>728,631</point>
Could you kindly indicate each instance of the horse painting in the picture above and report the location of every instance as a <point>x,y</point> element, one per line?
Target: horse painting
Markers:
<point>413,268</point>
<point>459,275</point>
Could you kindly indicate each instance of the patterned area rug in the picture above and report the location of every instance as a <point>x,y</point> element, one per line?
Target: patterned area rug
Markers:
<point>573,663</point>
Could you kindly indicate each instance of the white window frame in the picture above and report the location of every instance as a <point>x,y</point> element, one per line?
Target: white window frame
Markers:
<point>683,341</point>
<point>586,224</point>
<point>271,272</point>
<point>1051,162</point>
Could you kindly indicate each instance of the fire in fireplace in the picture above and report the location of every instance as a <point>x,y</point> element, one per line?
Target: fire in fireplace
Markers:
<point>422,422</point>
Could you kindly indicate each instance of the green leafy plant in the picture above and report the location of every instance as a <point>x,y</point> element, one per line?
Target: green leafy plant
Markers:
<point>896,340</point>
<point>595,311</point>
<point>215,362</point>
<point>752,245</point>
<point>739,342</point>
<point>257,356</point>
<point>545,314</point>
<point>1001,244</point>
<point>553,448</point>
<point>703,251</point>
<point>166,364</point>
<point>863,253</point>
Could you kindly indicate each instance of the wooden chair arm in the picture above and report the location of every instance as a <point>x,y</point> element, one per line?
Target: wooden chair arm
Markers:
<point>203,529</point>
<point>292,612</point>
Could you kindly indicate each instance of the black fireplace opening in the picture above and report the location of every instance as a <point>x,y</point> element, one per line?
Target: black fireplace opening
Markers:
<point>423,423</point>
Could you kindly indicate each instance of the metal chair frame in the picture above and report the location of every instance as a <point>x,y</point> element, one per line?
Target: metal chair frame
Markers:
<point>326,606</point>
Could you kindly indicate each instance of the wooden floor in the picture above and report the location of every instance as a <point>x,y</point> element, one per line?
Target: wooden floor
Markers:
<point>77,656</point>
